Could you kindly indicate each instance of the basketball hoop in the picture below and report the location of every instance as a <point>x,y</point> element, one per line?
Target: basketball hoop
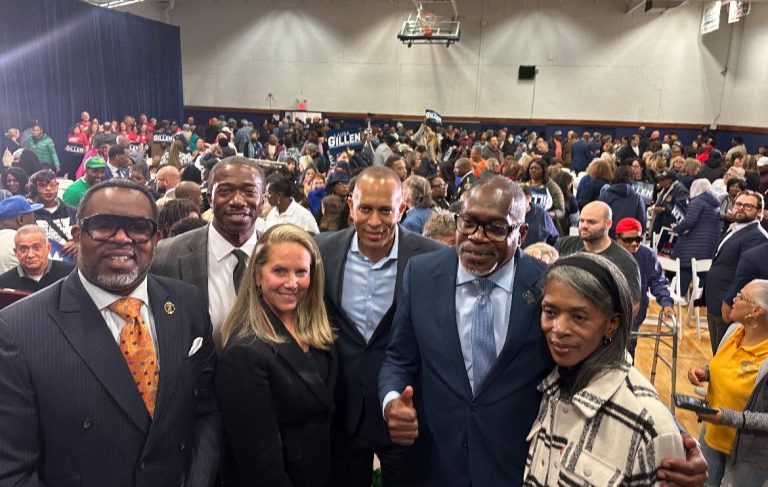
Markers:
<point>427,23</point>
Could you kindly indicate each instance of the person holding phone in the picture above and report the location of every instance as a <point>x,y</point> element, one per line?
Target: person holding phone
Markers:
<point>735,437</point>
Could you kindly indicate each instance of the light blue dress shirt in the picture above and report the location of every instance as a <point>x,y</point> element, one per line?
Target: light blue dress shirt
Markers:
<point>368,289</point>
<point>501,300</point>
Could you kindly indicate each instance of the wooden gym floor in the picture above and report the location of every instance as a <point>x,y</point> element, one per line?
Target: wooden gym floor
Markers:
<point>691,352</point>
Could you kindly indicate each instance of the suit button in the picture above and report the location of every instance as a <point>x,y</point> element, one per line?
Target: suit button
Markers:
<point>473,407</point>
<point>465,446</point>
<point>87,423</point>
<point>140,466</point>
<point>182,446</point>
<point>194,392</point>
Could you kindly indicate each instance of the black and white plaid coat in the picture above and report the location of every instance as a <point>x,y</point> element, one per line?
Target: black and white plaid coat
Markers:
<point>615,432</point>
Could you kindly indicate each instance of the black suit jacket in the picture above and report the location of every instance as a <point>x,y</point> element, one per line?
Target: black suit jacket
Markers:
<point>71,414</point>
<point>359,362</point>
<point>752,265</point>
<point>277,412</point>
<point>185,257</point>
<point>721,275</point>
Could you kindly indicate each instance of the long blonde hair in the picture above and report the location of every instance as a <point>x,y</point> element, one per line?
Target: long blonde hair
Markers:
<point>249,319</point>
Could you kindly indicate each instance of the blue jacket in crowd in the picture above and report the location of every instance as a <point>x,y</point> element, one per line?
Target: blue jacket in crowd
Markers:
<point>651,277</point>
<point>699,231</point>
<point>541,228</point>
<point>624,203</point>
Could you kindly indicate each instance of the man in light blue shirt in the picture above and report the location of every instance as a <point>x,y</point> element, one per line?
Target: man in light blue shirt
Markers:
<point>363,268</point>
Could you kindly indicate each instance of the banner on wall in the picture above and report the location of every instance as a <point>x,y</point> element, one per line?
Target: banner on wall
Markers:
<point>433,118</point>
<point>710,20</point>
<point>737,10</point>
<point>339,140</point>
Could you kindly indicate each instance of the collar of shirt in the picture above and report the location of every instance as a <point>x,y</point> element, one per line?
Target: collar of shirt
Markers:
<point>735,227</point>
<point>102,299</point>
<point>290,211</point>
<point>355,248</point>
<point>502,277</point>
<point>113,169</point>
<point>220,247</point>
<point>23,273</point>
<point>600,389</point>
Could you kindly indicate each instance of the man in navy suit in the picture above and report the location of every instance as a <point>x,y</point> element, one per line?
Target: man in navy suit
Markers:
<point>582,155</point>
<point>744,233</point>
<point>467,352</point>
<point>74,408</point>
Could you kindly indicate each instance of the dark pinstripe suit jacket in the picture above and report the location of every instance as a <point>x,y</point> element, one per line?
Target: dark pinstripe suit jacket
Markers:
<point>70,414</point>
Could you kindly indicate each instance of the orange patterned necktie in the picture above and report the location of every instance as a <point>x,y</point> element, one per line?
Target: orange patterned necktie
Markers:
<point>138,350</point>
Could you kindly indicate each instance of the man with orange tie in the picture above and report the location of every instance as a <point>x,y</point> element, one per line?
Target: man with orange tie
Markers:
<point>106,375</point>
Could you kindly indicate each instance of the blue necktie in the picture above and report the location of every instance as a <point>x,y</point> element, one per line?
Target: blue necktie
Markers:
<point>483,342</point>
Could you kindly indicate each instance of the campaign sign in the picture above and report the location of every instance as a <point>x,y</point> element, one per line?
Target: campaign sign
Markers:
<point>339,140</point>
<point>433,118</point>
<point>162,138</point>
<point>645,190</point>
<point>74,149</point>
<point>56,254</point>
<point>678,212</point>
<point>541,197</point>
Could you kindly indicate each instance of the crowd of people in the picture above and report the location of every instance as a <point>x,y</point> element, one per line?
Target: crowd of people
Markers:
<point>439,298</point>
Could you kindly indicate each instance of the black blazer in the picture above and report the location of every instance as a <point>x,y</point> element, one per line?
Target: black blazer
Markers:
<point>71,414</point>
<point>359,362</point>
<point>721,275</point>
<point>277,410</point>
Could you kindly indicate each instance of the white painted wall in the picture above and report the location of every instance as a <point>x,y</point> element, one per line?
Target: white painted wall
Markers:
<point>594,60</point>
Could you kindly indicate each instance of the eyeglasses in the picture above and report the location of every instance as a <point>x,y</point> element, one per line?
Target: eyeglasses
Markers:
<point>50,185</point>
<point>746,206</point>
<point>741,297</point>
<point>495,231</point>
<point>631,240</point>
<point>103,227</point>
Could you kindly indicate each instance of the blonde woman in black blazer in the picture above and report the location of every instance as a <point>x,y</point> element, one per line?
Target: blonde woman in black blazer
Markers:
<point>277,371</point>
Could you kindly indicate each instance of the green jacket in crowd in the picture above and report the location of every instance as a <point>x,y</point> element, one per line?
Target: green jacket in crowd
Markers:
<point>44,150</point>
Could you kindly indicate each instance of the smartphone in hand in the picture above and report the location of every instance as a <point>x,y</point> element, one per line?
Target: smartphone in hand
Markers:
<point>693,404</point>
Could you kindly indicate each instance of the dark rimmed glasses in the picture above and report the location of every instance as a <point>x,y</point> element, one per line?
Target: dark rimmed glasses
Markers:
<point>497,231</point>
<point>103,227</point>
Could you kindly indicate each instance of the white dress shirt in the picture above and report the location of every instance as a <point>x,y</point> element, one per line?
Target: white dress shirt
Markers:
<point>296,214</point>
<point>221,284</point>
<point>102,299</point>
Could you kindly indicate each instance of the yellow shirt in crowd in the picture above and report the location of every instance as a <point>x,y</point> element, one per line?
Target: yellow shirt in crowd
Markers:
<point>732,374</point>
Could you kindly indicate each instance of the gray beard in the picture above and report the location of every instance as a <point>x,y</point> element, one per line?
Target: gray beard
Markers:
<point>114,281</point>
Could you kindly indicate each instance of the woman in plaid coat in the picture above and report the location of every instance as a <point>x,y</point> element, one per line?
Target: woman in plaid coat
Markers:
<point>600,421</point>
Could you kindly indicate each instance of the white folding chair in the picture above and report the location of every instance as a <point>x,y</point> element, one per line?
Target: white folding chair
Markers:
<point>697,289</point>
<point>671,266</point>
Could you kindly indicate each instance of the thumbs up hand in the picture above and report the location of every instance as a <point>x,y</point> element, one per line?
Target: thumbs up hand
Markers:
<point>401,419</point>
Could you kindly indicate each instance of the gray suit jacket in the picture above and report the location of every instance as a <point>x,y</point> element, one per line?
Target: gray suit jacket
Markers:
<point>185,258</point>
<point>359,362</point>
<point>71,414</point>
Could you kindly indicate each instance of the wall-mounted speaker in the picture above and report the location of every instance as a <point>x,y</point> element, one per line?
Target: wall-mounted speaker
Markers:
<point>526,72</point>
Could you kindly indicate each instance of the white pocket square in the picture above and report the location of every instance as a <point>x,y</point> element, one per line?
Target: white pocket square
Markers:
<point>196,344</point>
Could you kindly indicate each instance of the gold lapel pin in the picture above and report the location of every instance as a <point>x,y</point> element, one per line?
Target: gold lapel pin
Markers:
<point>170,308</point>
